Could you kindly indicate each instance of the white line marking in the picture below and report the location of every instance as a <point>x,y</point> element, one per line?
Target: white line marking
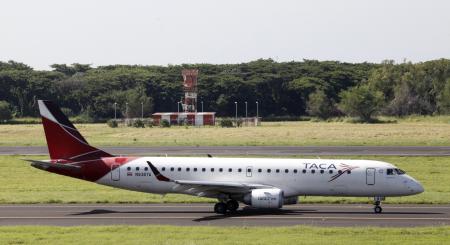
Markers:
<point>287,207</point>
<point>252,217</point>
<point>84,154</point>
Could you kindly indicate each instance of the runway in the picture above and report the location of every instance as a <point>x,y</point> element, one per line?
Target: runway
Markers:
<point>252,150</point>
<point>202,214</point>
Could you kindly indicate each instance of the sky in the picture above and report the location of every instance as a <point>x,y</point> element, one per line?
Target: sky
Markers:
<point>153,32</point>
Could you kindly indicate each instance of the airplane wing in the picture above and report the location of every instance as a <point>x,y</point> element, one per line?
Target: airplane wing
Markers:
<point>208,188</point>
<point>212,188</point>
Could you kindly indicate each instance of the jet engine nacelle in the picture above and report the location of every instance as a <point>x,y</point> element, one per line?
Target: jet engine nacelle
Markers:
<point>265,198</point>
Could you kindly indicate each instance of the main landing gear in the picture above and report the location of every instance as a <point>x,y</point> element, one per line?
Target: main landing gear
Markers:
<point>377,202</point>
<point>222,207</point>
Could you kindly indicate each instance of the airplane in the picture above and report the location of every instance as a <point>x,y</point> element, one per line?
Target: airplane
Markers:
<point>257,182</point>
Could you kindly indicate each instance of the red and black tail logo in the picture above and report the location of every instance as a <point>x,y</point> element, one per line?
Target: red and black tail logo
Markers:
<point>63,139</point>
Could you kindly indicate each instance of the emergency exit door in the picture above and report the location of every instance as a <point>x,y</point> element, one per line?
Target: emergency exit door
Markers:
<point>115,172</point>
<point>370,176</point>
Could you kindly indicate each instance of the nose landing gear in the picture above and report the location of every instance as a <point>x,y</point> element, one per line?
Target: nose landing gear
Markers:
<point>377,202</point>
<point>377,209</point>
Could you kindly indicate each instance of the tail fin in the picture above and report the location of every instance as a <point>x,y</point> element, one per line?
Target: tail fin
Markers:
<point>63,139</point>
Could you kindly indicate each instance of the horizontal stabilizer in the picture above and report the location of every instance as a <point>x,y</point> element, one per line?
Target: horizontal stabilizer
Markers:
<point>46,165</point>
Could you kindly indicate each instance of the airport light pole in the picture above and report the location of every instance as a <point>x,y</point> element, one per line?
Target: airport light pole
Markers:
<point>235,103</point>
<point>257,113</point>
<point>178,110</point>
<point>246,121</point>
<point>115,110</point>
<point>126,110</point>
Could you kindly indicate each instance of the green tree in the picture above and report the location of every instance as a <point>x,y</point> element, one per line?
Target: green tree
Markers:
<point>361,101</point>
<point>5,111</point>
<point>444,99</point>
<point>134,98</point>
<point>72,69</point>
<point>320,105</point>
<point>281,88</point>
<point>63,68</point>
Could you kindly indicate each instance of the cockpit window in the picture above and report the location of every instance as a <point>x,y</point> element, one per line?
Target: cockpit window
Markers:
<point>399,171</point>
<point>394,171</point>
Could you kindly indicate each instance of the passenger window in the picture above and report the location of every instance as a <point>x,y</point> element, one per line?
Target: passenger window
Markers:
<point>212,169</point>
<point>137,168</point>
<point>220,169</point>
<point>129,168</point>
<point>239,170</point>
<point>390,171</point>
<point>188,169</point>
<point>339,171</point>
<point>269,170</point>
<point>286,170</point>
<point>259,170</point>
<point>171,169</point>
<point>295,171</point>
<point>349,171</point>
<point>203,169</point>
<point>330,171</point>
<point>230,170</point>
<point>179,169</point>
<point>163,168</point>
<point>304,171</point>
<point>195,169</point>
<point>277,170</point>
<point>322,171</point>
<point>145,169</point>
<point>313,171</point>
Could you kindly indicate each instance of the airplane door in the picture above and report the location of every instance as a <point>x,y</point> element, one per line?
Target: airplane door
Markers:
<point>115,172</point>
<point>249,171</point>
<point>370,176</point>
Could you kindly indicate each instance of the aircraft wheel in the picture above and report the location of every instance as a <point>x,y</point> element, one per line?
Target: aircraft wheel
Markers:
<point>378,209</point>
<point>220,208</point>
<point>232,205</point>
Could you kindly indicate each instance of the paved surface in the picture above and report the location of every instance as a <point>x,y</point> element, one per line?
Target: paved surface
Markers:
<point>202,214</point>
<point>253,150</point>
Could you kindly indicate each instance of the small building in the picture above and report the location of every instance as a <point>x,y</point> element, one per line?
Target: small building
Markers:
<point>189,118</point>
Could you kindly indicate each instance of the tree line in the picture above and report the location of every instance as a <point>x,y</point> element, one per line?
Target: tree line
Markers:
<point>316,88</point>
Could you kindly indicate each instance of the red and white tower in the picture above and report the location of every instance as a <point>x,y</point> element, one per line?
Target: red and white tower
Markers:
<point>190,89</point>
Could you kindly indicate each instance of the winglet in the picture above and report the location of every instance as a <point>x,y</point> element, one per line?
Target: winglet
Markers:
<point>156,172</point>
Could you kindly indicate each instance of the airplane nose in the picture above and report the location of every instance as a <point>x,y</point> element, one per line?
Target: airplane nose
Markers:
<point>416,187</point>
<point>412,186</point>
<point>419,188</point>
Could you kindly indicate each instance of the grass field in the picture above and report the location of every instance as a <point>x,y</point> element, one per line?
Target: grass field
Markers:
<point>21,183</point>
<point>221,235</point>
<point>409,131</point>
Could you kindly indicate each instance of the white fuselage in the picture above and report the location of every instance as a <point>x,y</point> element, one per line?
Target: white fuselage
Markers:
<point>320,177</point>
